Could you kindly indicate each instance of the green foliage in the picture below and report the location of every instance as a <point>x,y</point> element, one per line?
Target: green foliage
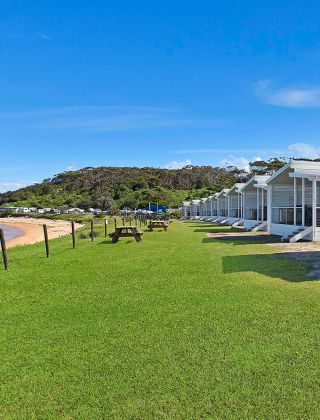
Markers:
<point>84,235</point>
<point>175,214</point>
<point>85,204</point>
<point>7,213</point>
<point>261,167</point>
<point>100,216</point>
<point>111,188</point>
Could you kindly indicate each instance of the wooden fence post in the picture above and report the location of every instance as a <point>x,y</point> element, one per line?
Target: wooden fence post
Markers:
<point>46,240</point>
<point>92,232</point>
<point>4,250</point>
<point>105,228</point>
<point>73,235</point>
<point>123,221</point>
<point>115,223</point>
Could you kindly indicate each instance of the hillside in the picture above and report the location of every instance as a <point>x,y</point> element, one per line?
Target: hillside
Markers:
<point>106,187</point>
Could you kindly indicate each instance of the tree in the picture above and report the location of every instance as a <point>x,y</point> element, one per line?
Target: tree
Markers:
<point>85,204</point>
<point>103,201</point>
<point>262,167</point>
<point>114,210</point>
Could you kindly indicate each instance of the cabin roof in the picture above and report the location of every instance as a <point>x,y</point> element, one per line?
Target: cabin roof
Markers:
<point>238,186</point>
<point>301,168</point>
<point>223,192</point>
<point>260,180</point>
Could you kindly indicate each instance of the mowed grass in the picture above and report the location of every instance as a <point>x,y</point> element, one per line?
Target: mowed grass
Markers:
<point>178,326</point>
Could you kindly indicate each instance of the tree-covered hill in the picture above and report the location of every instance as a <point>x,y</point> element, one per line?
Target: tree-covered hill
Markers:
<point>133,187</point>
<point>107,187</point>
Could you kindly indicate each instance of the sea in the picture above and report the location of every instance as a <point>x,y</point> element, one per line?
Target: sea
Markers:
<point>10,232</point>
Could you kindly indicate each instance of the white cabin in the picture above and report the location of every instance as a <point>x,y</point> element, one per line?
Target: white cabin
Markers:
<point>203,208</point>
<point>214,206</point>
<point>286,204</point>
<point>195,209</point>
<point>222,205</point>
<point>235,208</point>
<point>209,207</point>
<point>294,201</point>
<point>255,204</point>
<point>185,210</point>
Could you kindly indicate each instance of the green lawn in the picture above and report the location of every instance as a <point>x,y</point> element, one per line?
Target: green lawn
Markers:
<point>178,326</point>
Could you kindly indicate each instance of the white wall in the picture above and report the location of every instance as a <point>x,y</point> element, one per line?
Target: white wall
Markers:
<point>282,230</point>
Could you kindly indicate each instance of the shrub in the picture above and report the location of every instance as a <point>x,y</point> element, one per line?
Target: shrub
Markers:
<point>85,235</point>
<point>6,213</point>
<point>100,216</point>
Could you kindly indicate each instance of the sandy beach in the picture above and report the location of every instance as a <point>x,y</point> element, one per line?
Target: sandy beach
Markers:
<point>32,230</point>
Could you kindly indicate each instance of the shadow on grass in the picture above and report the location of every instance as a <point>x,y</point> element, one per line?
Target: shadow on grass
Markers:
<point>243,240</point>
<point>218,228</point>
<point>200,226</point>
<point>106,242</point>
<point>289,266</point>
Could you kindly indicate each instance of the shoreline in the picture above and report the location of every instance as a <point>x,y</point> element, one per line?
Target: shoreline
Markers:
<point>32,230</point>
<point>10,232</point>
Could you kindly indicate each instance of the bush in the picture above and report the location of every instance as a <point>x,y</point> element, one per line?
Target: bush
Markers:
<point>100,216</point>
<point>84,235</point>
<point>6,213</point>
<point>175,214</point>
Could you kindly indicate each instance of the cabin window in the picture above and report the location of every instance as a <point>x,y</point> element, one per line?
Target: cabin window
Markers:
<point>286,216</point>
<point>283,216</point>
<point>299,216</point>
<point>253,214</point>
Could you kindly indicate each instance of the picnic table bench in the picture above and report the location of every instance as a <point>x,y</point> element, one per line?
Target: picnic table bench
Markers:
<point>162,224</point>
<point>125,232</point>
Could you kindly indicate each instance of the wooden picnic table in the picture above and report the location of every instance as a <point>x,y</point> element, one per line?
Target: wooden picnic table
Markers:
<point>125,232</point>
<point>162,224</point>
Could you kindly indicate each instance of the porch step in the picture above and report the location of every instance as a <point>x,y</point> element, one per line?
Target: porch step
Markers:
<point>214,220</point>
<point>259,226</point>
<point>238,223</point>
<point>287,238</point>
<point>297,235</point>
<point>224,221</point>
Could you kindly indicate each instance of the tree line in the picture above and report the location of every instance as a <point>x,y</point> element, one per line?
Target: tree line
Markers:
<point>117,187</point>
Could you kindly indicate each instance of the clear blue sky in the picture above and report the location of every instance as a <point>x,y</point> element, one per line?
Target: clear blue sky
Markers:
<point>159,83</point>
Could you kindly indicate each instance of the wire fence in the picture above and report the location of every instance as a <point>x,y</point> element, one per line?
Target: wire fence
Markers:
<point>90,231</point>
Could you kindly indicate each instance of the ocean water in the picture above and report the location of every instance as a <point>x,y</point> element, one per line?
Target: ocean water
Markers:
<point>10,232</point>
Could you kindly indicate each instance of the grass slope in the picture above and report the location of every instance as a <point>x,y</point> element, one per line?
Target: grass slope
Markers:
<point>179,326</point>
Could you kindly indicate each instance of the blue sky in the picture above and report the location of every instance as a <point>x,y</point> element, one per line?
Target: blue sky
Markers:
<point>150,83</point>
